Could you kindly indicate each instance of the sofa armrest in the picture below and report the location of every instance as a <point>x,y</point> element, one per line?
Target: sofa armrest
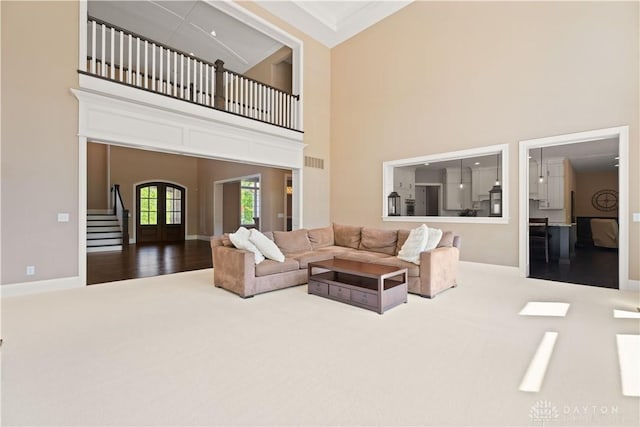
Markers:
<point>438,270</point>
<point>234,270</point>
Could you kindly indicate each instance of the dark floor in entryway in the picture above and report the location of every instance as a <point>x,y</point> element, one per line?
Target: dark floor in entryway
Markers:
<point>145,260</point>
<point>591,266</point>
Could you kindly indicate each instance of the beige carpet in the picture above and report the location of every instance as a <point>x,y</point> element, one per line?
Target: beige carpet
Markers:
<point>175,350</point>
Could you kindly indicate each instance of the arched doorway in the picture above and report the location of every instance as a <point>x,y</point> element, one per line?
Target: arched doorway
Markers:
<point>160,212</point>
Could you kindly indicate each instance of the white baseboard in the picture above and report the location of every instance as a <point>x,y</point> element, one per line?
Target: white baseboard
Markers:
<point>28,288</point>
<point>504,268</point>
<point>204,237</point>
<point>191,237</point>
<point>632,285</point>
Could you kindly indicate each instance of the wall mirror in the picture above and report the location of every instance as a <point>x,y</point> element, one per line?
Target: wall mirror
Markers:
<point>461,186</point>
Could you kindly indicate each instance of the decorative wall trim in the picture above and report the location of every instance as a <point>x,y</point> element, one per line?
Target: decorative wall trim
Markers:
<point>121,115</point>
<point>28,288</point>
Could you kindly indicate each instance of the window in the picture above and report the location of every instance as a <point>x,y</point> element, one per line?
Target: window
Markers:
<point>173,205</point>
<point>249,201</point>
<point>149,205</point>
<point>462,186</point>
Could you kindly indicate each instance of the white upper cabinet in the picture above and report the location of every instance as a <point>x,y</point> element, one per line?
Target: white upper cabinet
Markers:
<point>551,190</point>
<point>456,198</point>
<point>482,181</point>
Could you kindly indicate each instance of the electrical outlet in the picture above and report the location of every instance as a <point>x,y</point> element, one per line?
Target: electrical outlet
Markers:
<point>63,217</point>
<point>31,270</point>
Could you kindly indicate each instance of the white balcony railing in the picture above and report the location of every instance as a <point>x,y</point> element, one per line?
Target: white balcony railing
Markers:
<point>124,57</point>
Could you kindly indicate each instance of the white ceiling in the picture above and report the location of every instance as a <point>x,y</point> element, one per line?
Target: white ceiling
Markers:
<point>186,26</point>
<point>332,22</point>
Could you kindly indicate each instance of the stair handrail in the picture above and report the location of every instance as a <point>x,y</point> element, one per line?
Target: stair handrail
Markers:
<point>121,213</point>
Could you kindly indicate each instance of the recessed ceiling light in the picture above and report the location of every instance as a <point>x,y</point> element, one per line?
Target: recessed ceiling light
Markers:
<point>213,33</point>
<point>476,163</point>
<point>427,164</point>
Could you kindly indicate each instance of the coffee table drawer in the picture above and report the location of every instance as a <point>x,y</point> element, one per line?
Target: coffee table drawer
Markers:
<point>318,288</point>
<point>365,298</point>
<point>340,292</point>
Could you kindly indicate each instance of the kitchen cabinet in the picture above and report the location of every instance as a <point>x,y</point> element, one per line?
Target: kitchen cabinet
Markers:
<point>404,181</point>
<point>482,181</point>
<point>551,190</point>
<point>456,198</point>
<point>534,176</point>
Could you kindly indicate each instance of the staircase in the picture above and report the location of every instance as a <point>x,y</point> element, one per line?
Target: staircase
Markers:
<point>103,232</point>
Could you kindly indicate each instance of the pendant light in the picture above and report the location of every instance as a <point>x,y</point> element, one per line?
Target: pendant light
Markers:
<point>461,184</point>
<point>541,179</point>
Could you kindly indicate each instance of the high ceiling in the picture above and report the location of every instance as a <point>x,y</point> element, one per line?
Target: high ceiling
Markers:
<point>186,25</point>
<point>332,22</point>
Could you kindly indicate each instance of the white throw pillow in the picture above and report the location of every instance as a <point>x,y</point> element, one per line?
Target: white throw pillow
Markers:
<point>435,234</point>
<point>416,242</point>
<point>266,246</point>
<point>240,240</point>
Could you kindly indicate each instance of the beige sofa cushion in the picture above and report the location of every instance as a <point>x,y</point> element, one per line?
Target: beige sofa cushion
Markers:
<point>363,256</point>
<point>403,235</point>
<point>413,270</point>
<point>447,240</point>
<point>376,240</point>
<point>304,258</point>
<point>321,237</point>
<point>347,235</point>
<point>270,266</point>
<point>291,242</point>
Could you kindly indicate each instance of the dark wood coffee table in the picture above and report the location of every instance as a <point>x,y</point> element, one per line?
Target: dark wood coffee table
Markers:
<point>368,285</point>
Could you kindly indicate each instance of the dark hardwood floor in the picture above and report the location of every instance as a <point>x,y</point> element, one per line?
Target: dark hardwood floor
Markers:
<point>147,260</point>
<point>591,266</point>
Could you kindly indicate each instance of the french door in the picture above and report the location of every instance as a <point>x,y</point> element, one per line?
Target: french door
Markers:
<point>160,212</point>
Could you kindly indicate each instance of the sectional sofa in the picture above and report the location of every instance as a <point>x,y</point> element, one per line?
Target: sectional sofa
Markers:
<point>236,269</point>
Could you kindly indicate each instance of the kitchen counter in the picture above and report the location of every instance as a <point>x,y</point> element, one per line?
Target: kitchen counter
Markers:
<point>562,244</point>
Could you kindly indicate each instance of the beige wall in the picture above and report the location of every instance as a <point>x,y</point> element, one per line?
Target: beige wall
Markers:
<point>444,76</point>
<point>97,176</point>
<point>130,167</point>
<point>317,87</point>
<point>273,70</point>
<point>39,140</point>
<point>587,183</point>
<point>272,192</point>
<point>231,208</point>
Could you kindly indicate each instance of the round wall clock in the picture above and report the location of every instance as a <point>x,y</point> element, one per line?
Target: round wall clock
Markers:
<point>605,200</point>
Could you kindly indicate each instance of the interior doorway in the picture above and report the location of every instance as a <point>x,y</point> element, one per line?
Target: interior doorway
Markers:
<point>574,181</point>
<point>428,199</point>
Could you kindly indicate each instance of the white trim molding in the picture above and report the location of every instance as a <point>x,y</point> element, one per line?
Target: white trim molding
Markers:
<point>388,184</point>
<point>29,288</point>
<point>622,134</point>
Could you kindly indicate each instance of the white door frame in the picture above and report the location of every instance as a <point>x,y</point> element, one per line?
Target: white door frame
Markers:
<point>622,133</point>
<point>218,200</point>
